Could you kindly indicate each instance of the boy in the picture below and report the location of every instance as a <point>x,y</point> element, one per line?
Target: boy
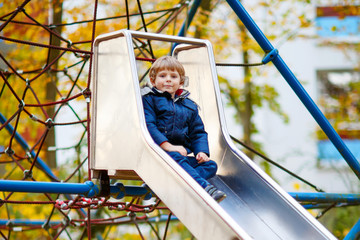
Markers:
<point>174,123</point>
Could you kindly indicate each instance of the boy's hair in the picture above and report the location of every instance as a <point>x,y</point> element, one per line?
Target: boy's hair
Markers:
<point>170,63</point>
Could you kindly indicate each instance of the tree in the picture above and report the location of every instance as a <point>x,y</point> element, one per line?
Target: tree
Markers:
<point>56,15</point>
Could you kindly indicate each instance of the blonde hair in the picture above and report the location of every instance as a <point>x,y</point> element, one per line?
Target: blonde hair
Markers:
<point>169,63</point>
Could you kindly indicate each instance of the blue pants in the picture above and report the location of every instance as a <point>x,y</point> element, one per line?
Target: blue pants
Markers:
<point>200,172</point>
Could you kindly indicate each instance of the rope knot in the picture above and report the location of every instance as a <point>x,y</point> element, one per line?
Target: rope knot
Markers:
<point>49,123</point>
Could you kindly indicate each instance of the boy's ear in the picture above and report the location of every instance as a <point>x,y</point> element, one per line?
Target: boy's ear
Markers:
<point>185,82</point>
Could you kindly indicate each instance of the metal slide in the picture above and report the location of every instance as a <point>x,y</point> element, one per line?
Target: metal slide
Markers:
<point>256,207</point>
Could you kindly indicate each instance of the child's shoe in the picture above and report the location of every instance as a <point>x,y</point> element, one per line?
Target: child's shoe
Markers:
<point>215,193</point>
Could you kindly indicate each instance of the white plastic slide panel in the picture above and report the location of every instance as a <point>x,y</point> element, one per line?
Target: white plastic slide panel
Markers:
<point>115,123</point>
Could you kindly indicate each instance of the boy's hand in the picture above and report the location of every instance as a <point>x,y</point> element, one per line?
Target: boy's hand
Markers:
<point>174,148</point>
<point>202,157</point>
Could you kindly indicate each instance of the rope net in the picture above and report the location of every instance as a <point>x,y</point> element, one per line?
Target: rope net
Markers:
<point>45,63</point>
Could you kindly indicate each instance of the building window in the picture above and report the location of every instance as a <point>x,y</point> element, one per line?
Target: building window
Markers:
<point>339,99</point>
<point>338,21</point>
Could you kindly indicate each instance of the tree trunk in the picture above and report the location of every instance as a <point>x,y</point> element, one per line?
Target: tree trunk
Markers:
<point>248,109</point>
<point>204,17</point>
<point>56,18</point>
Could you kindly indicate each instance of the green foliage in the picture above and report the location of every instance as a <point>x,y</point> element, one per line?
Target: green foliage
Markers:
<point>340,220</point>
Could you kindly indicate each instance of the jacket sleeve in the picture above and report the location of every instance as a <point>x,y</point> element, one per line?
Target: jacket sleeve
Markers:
<point>198,136</point>
<point>150,118</point>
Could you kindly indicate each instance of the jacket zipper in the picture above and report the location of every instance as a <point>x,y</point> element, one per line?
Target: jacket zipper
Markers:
<point>173,126</point>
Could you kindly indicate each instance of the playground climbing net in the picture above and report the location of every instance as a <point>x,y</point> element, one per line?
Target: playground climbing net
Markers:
<point>45,77</point>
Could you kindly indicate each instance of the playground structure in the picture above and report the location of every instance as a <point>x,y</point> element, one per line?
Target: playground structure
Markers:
<point>279,218</point>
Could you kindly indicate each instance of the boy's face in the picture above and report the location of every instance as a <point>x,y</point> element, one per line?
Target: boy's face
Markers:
<point>167,81</point>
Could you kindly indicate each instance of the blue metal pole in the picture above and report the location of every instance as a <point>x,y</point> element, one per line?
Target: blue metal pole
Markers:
<point>24,145</point>
<point>354,232</point>
<point>190,17</point>
<point>88,188</point>
<point>326,197</point>
<point>24,222</point>
<point>188,20</point>
<point>295,85</point>
<point>119,191</point>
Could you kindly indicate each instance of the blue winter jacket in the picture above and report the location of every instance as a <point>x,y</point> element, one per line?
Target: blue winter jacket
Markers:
<point>175,120</point>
